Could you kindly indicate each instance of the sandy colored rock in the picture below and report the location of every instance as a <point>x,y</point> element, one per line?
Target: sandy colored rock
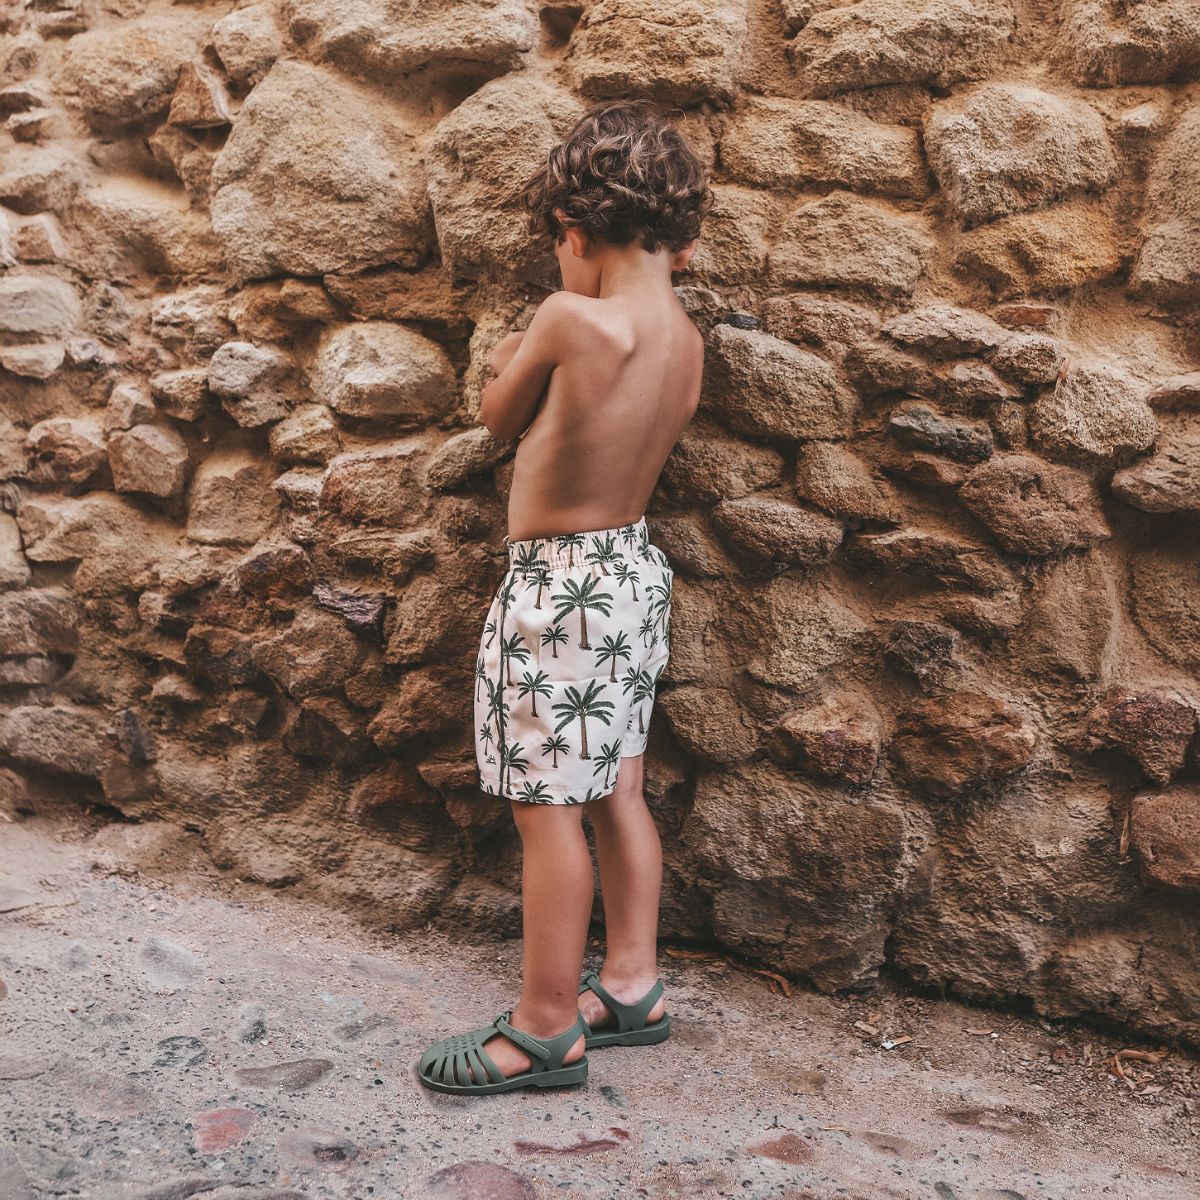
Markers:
<point>1165,833</point>
<point>777,531</point>
<point>794,861</point>
<point>1166,598</point>
<point>914,41</point>
<point>230,501</point>
<point>502,131</point>
<point>1154,728</point>
<point>377,369</point>
<point>316,177</point>
<point>1034,507</point>
<point>67,451</point>
<point>690,51</point>
<point>381,485</point>
<point>148,458</point>
<point>463,457</point>
<point>1096,415</point>
<point>839,739</point>
<point>736,232</point>
<point>834,478</point>
<point>778,143</point>
<point>1169,480</point>
<point>944,558</point>
<point>251,382</point>
<point>382,40</point>
<point>922,427</point>
<point>812,318</point>
<point>247,41</point>
<point>306,435</point>
<point>1167,267</point>
<point>709,723</point>
<point>769,387</point>
<point>59,737</point>
<point>126,72</point>
<point>945,330</point>
<point>985,173</point>
<point>956,743</point>
<point>706,466</point>
<point>854,243</point>
<point>38,305</point>
<point>1138,43</point>
<point>183,394</point>
<point>14,570</point>
<point>1177,392</point>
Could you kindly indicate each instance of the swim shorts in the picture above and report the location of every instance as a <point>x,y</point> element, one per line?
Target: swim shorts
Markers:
<point>573,645</point>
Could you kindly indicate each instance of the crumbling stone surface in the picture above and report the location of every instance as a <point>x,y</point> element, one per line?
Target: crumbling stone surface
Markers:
<point>936,611</point>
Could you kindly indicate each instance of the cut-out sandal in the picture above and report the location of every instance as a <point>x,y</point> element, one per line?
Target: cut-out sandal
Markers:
<point>460,1064</point>
<point>631,1028</point>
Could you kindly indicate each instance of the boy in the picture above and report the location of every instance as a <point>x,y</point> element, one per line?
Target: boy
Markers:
<point>598,388</point>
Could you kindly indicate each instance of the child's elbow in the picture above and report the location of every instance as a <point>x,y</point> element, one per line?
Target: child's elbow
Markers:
<point>491,421</point>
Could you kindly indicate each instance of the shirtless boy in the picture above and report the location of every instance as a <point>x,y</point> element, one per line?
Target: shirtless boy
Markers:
<point>598,388</point>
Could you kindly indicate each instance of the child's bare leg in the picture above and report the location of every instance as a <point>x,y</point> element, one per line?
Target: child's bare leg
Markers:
<point>630,857</point>
<point>557,886</point>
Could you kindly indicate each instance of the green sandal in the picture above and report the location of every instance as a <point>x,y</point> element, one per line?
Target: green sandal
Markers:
<point>458,1064</point>
<point>631,1028</point>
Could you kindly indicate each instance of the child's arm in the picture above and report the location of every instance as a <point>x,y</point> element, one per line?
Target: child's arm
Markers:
<point>510,400</point>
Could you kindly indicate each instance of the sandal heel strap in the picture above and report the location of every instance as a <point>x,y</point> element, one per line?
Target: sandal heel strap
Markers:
<point>629,1016</point>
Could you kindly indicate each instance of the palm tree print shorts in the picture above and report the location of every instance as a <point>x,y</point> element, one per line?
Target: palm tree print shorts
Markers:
<point>572,649</point>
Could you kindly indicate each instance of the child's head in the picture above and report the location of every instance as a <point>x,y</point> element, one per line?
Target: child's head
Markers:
<point>624,172</point>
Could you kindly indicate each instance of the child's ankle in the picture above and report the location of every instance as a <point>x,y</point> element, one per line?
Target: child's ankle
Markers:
<point>628,984</point>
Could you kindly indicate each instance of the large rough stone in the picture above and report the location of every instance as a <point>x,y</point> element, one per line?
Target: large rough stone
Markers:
<point>1109,44</point>
<point>316,177</point>
<point>462,458</point>
<point>383,40</point>
<point>1154,728</point>
<point>1164,831</point>
<point>874,42</point>
<point>780,143</point>
<point>1069,629</point>
<point>957,743</point>
<point>316,653</point>
<point>689,51</point>
<point>68,739</point>
<point>804,631</point>
<point>705,466</point>
<point>38,305</point>
<point>182,394</point>
<point>803,877</point>
<point>1033,507</point>
<point>1169,480</point>
<point>771,388</point>
<point>307,435</point>
<point>946,330</point>
<point>737,228</point>
<point>848,242</point>
<point>247,41</point>
<point>920,425</point>
<point>1167,267</point>
<point>148,458</point>
<point>377,486</point>
<point>709,723</point>
<point>67,451</point>
<point>834,478</point>
<point>1166,598</point>
<point>1096,415</point>
<point>230,501</point>
<point>1044,252</point>
<point>126,72</point>
<point>1177,392</point>
<point>378,369</point>
<point>38,621</point>
<point>251,382</point>
<point>501,132</point>
<point>986,172</point>
<point>778,532</point>
<point>839,738</point>
<point>949,560</point>
<point>14,570</point>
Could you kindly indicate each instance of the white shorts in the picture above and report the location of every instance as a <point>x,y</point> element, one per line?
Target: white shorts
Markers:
<point>574,643</point>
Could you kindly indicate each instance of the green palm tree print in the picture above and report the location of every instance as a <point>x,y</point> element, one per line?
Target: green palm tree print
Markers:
<point>535,686</point>
<point>554,636</point>
<point>582,595</point>
<point>611,649</point>
<point>581,705</point>
<point>609,756</point>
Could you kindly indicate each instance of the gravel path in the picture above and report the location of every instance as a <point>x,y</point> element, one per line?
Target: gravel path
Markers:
<point>167,1034</point>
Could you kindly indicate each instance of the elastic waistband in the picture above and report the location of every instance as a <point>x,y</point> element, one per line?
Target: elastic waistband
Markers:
<point>621,543</point>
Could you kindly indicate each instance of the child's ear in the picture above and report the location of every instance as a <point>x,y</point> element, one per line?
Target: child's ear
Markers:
<point>577,240</point>
<point>681,258</point>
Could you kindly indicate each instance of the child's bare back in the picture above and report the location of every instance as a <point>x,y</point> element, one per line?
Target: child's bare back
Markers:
<point>626,384</point>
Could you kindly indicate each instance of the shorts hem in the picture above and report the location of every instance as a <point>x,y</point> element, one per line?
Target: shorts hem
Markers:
<point>569,796</point>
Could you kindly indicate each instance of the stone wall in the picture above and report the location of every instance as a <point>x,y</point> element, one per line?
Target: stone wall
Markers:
<point>933,691</point>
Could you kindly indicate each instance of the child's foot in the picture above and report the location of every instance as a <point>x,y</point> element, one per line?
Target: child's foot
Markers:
<point>629,991</point>
<point>510,1059</point>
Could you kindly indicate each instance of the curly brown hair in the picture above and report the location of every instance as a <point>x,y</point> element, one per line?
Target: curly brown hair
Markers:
<point>623,171</point>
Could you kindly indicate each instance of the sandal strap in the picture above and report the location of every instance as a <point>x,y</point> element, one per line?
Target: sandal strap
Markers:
<point>629,1016</point>
<point>547,1051</point>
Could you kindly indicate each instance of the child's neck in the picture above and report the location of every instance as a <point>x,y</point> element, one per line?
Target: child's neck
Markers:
<point>631,271</point>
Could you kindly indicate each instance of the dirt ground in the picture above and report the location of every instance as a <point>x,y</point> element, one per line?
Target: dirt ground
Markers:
<point>167,1035</point>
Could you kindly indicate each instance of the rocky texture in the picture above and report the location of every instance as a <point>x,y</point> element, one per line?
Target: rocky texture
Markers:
<point>935,613</point>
